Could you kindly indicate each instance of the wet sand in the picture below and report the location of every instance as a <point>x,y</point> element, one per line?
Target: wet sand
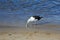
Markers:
<point>31,34</point>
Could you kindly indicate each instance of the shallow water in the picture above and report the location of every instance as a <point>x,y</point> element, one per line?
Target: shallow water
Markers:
<point>21,19</point>
<point>11,17</point>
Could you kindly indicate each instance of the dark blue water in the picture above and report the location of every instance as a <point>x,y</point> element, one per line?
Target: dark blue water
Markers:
<point>16,12</point>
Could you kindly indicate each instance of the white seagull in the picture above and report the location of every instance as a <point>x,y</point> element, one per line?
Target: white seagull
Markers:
<point>33,19</point>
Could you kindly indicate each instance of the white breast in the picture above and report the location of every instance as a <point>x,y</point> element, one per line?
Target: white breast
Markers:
<point>31,19</point>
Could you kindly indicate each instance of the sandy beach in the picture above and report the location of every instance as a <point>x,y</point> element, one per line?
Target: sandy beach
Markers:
<point>30,34</point>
